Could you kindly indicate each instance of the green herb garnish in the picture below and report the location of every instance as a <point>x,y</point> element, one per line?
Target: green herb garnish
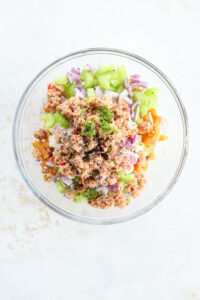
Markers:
<point>77,180</point>
<point>95,173</point>
<point>106,114</point>
<point>89,128</point>
<point>106,128</point>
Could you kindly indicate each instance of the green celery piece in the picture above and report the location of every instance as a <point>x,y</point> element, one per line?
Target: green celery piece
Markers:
<point>90,93</point>
<point>147,100</point>
<point>122,73</point>
<point>126,178</point>
<point>153,92</point>
<point>104,81</point>
<point>49,120</point>
<point>69,91</point>
<point>88,78</point>
<point>61,81</point>
<point>61,120</point>
<point>120,88</point>
<point>105,68</point>
<point>69,88</point>
<point>148,150</point>
<point>79,198</point>
<point>60,187</point>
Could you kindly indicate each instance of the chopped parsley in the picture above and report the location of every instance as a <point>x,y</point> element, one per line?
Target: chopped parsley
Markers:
<point>95,173</point>
<point>106,128</point>
<point>105,113</point>
<point>77,180</point>
<point>88,128</point>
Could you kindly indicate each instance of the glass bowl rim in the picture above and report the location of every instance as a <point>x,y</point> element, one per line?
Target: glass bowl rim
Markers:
<point>16,142</point>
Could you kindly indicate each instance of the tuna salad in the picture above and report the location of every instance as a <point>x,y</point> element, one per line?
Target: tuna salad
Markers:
<point>99,128</point>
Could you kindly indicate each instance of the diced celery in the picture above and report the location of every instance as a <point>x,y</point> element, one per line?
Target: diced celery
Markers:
<point>69,91</point>
<point>126,178</point>
<point>61,81</point>
<point>49,120</point>
<point>148,150</point>
<point>88,78</point>
<point>147,100</point>
<point>60,187</point>
<point>79,198</point>
<point>105,68</point>
<point>61,120</point>
<point>90,93</point>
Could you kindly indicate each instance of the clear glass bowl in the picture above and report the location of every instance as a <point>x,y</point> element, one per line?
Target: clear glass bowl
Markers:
<point>163,172</point>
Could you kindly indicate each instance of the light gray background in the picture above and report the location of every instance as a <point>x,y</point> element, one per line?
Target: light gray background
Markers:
<point>42,255</point>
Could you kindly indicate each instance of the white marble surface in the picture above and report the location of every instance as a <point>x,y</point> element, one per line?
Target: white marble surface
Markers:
<point>44,256</point>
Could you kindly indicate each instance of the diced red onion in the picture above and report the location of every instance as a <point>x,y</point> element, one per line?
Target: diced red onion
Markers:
<point>75,71</point>
<point>98,92</point>
<point>137,113</point>
<point>128,100</point>
<point>111,94</point>
<point>78,93</point>
<point>113,187</point>
<point>89,68</point>
<point>123,94</point>
<point>74,75</point>
<point>135,81</point>
<point>132,160</point>
<point>54,178</point>
<point>63,99</point>
<point>132,106</point>
<point>127,86</point>
<point>128,144</point>
<point>136,76</point>
<point>102,189</point>
<point>134,139</point>
<point>66,180</point>
<point>70,77</point>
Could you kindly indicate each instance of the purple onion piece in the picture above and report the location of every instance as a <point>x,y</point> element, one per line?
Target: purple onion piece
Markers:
<point>70,77</point>
<point>111,94</point>
<point>99,92</point>
<point>137,113</point>
<point>132,160</point>
<point>113,187</point>
<point>63,99</point>
<point>75,71</point>
<point>89,68</point>
<point>54,178</point>
<point>136,76</point>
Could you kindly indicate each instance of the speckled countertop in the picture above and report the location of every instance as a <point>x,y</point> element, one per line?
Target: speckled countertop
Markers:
<point>44,256</point>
